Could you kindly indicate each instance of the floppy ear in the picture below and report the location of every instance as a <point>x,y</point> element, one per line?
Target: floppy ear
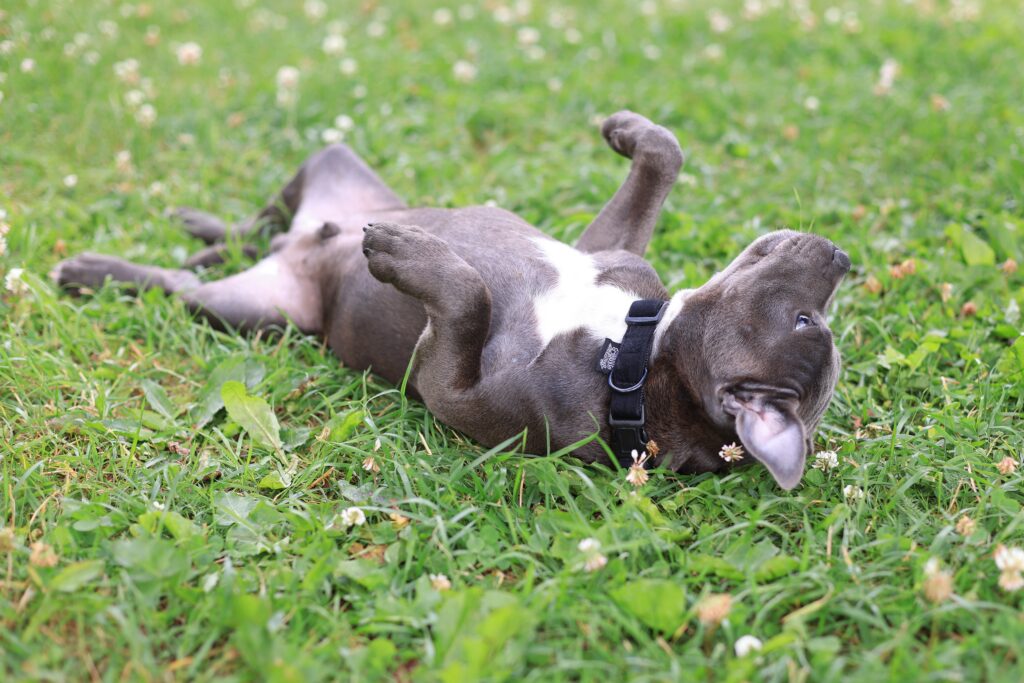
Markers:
<point>775,436</point>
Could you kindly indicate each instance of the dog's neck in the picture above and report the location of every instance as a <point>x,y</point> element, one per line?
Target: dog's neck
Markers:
<point>676,419</point>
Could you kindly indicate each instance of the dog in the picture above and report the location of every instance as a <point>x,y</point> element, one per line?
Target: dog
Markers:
<point>511,332</point>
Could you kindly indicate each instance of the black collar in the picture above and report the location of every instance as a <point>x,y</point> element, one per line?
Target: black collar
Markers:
<point>626,367</point>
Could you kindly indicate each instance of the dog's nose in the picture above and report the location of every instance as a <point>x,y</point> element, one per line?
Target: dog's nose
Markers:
<point>841,260</point>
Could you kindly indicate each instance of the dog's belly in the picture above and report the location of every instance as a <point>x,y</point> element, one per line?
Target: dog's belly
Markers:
<point>541,289</point>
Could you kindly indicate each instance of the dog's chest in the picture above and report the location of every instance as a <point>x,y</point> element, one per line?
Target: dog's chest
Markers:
<point>577,300</point>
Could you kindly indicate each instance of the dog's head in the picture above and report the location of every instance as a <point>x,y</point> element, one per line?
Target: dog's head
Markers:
<point>766,364</point>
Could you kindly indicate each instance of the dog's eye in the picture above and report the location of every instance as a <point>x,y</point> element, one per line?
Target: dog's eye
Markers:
<point>803,321</point>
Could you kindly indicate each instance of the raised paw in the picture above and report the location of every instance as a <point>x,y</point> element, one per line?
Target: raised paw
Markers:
<point>205,226</point>
<point>415,261</point>
<point>630,134</point>
<point>396,252</point>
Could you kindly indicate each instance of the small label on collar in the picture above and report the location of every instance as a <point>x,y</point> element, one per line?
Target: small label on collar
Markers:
<point>609,354</point>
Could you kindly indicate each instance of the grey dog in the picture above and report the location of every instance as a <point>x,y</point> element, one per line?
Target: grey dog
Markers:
<point>507,323</point>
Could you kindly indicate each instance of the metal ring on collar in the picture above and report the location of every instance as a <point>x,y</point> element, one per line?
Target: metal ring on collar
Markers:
<point>636,386</point>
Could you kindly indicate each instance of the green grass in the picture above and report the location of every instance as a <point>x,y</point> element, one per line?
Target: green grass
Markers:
<point>187,550</point>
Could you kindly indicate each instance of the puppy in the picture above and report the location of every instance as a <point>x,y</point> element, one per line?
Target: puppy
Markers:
<point>510,331</point>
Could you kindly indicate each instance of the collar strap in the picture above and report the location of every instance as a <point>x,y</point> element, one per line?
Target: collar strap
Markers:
<point>626,415</point>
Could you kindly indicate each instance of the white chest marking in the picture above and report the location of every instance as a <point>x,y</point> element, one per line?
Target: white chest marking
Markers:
<point>577,301</point>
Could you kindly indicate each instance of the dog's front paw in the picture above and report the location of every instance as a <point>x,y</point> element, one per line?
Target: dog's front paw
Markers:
<point>630,134</point>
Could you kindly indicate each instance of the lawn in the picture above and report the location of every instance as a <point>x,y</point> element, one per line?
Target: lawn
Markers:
<point>148,533</point>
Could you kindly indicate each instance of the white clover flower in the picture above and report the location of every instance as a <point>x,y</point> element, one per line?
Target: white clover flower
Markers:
<point>1009,559</point>
<point>752,9</point>
<point>28,65</point>
<point>108,28</point>
<point>440,582</point>
<point>6,47</point>
<point>123,161</point>
<point>14,283</point>
<point>287,85</point>
<point>594,560</point>
<point>534,53</point>
<point>720,23</point>
<point>146,115</point>
<point>964,10</point>
<point>157,505</point>
<point>932,566</point>
<point>70,180</point>
<point>527,35</point>
<point>353,516</point>
<point>554,85</point>
<point>747,644</point>
<point>938,584</point>
<point>127,71</point>
<point>348,66</point>
<point>189,54</point>
<point>732,452</point>
<point>344,123</point>
<point>503,15</point>
<point>375,29</point>
<point>812,103</point>
<point>851,492</point>
<point>825,461</point>
<point>288,78</point>
<point>314,9</point>
<point>652,52</point>
<point>467,12</point>
<point>713,609</point>
<point>464,71</point>
<point>887,76</point>
<point>334,44</point>
<point>443,16</point>
<point>573,36</point>
<point>713,52</point>
<point>637,475</point>
<point>330,136</point>
<point>1010,562</point>
<point>3,244</point>
<point>134,98</point>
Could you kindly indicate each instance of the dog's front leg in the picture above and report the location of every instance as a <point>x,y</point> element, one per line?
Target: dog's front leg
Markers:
<point>627,221</point>
<point>457,303</point>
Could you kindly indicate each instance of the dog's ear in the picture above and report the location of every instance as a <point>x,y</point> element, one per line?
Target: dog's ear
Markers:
<point>773,434</point>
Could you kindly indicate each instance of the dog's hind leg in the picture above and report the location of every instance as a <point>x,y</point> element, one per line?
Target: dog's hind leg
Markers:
<point>456,300</point>
<point>331,184</point>
<point>627,221</point>
<point>275,290</point>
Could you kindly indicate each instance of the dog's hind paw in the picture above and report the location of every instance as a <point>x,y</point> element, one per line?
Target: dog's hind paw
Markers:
<point>90,271</point>
<point>409,257</point>
<point>205,226</point>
